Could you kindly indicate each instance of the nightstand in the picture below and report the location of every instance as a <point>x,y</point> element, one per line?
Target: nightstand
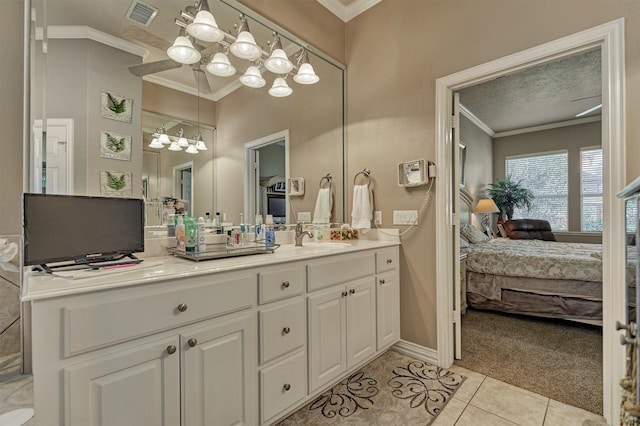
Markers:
<point>463,283</point>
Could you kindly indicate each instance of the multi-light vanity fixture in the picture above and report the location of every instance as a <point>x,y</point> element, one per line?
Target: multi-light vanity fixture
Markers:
<point>203,27</point>
<point>178,142</point>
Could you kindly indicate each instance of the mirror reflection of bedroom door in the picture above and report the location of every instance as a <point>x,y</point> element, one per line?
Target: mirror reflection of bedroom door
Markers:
<point>455,205</point>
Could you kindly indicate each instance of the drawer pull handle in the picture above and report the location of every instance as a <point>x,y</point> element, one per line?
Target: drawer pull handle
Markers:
<point>287,387</point>
<point>285,284</point>
<point>382,281</point>
<point>286,330</point>
<point>182,307</point>
<point>344,294</point>
<point>171,349</point>
<point>352,291</point>
<point>389,261</point>
<point>192,342</point>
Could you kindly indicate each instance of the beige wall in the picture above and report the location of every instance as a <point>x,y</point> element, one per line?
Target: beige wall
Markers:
<point>391,102</point>
<point>571,139</point>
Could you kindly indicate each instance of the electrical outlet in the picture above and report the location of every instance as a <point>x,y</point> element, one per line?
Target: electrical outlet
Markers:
<point>378,217</point>
<point>304,217</point>
<point>405,217</point>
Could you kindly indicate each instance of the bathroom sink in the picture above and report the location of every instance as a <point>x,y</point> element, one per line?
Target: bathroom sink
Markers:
<point>315,248</point>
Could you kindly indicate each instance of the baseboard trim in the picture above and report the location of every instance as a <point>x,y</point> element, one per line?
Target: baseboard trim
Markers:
<point>418,351</point>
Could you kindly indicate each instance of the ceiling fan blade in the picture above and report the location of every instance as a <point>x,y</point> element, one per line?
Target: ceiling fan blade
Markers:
<point>144,36</point>
<point>201,80</point>
<point>153,67</point>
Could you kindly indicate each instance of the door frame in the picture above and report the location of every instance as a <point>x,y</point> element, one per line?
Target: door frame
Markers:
<point>183,166</point>
<point>610,37</point>
<point>249,188</point>
<point>68,123</point>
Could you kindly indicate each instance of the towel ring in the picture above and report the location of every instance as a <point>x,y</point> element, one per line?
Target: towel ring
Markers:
<point>326,178</point>
<point>365,173</point>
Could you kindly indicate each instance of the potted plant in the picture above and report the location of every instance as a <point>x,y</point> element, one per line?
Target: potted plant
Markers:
<point>509,195</point>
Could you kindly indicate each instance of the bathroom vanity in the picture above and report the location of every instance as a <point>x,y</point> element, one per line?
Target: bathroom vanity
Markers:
<point>244,340</point>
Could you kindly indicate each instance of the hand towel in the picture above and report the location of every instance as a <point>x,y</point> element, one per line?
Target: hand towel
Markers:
<point>324,204</point>
<point>362,212</point>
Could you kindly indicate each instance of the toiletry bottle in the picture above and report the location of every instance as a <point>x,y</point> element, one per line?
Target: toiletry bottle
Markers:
<point>202,244</point>
<point>270,233</point>
<point>229,239</point>
<point>180,234</point>
<point>207,218</point>
<point>243,229</point>
<point>191,234</point>
<point>258,230</point>
<point>218,223</point>
<point>171,226</point>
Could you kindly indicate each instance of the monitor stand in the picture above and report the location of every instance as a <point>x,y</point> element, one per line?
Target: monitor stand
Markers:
<point>92,263</point>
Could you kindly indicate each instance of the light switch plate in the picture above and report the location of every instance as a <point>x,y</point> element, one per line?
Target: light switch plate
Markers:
<point>377,217</point>
<point>304,217</point>
<point>405,217</point>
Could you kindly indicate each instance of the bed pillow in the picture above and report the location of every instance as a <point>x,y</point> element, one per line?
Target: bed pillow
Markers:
<point>472,234</point>
<point>464,243</point>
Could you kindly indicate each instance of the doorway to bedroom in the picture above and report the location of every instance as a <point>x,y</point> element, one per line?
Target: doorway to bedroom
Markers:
<point>607,40</point>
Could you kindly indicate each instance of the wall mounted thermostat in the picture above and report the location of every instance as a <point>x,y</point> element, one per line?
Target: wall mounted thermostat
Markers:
<point>412,173</point>
<point>295,186</point>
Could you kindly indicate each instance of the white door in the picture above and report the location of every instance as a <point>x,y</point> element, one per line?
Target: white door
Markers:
<point>219,376</point>
<point>456,179</point>
<point>361,320</point>
<point>327,336</point>
<point>139,385</point>
<point>59,156</point>
<point>387,312</point>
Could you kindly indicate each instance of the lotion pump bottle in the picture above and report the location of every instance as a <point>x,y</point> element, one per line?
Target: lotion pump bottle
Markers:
<point>180,235</point>
<point>259,230</point>
<point>202,244</point>
<point>243,229</point>
<point>270,234</point>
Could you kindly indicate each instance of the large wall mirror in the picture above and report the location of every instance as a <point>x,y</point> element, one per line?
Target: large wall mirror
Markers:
<point>103,86</point>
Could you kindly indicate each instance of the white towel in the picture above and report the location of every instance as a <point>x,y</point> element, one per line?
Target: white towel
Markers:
<point>362,212</point>
<point>324,204</point>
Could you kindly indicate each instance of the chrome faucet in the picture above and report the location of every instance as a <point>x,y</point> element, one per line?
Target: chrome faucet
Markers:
<point>300,234</point>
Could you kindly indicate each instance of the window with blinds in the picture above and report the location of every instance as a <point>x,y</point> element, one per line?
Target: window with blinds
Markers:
<point>591,190</point>
<point>547,176</point>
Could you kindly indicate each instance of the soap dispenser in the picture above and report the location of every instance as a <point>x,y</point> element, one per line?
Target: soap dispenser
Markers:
<point>180,235</point>
<point>270,233</point>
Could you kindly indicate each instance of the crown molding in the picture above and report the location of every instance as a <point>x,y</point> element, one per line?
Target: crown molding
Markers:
<point>345,13</point>
<point>88,33</point>
<point>550,126</point>
<point>180,87</point>
<point>475,120</point>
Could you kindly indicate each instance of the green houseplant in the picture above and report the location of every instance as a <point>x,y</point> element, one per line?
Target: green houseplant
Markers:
<point>508,195</point>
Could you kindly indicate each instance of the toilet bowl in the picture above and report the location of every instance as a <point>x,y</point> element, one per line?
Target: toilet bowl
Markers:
<point>16,417</point>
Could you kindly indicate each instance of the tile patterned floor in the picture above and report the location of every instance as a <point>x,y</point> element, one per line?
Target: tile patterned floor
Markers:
<point>480,401</point>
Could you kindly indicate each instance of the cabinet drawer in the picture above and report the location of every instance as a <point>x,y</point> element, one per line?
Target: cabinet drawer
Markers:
<point>329,272</point>
<point>282,329</point>
<point>280,284</point>
<point>386,260</point>
<point>282,385</point>
<point>110,317</point>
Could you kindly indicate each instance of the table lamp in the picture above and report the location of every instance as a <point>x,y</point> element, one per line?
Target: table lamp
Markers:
<point>486,206</point>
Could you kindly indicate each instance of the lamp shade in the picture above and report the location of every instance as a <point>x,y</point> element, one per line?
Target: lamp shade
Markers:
<point>200,145</point>
<point>280,89</point>
<point>204,27</point>
<point>306,75</point>
<point>253,78</point>
<point>221,66</point>
<point>155,143</point>
<point>245,46</point>
<point>175,146</point>
<point>183,51</point>
<point>486,205</point>
<point>191,149</point>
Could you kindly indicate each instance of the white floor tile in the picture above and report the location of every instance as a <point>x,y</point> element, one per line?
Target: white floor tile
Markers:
<point>559,414</point>
<point>473,416</point>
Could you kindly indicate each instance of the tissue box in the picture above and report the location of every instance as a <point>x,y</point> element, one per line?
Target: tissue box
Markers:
<point>338,234</point>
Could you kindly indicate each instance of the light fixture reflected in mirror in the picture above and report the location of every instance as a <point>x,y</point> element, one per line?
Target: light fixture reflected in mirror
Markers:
<point>245,47</point>
<point>306,74</point>
<point>175,146</point>
<point>200,145</point>
<point>280,88</point>
<point>278,62</point>
<point>191,149</point>
<point>155,143</point>
<point>253,78</point>
<point>183,51</point>
<point>204,26</point>
<point>163,138</point>
<point>182,141</point>
<point>220,65</point>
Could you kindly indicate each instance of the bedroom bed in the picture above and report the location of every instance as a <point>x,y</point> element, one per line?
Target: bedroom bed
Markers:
<point>534,277</point>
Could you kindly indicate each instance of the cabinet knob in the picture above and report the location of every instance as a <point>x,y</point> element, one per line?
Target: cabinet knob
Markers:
<point>389,261</point>
<point>192,342</point>
<point>286,330</point>
<point>344,294</point>
<point>182,307</point>
<point>171,349</point>
<point>382,281</point>
<point>285,284</point>
<point>352,291</point>
<point>286,387</point>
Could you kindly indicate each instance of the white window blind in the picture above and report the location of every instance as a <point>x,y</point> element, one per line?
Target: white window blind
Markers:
<point>591,190</point>
<point>547,176</point>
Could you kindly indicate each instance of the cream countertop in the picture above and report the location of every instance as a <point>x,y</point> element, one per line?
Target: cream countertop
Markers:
<point>39,285</point>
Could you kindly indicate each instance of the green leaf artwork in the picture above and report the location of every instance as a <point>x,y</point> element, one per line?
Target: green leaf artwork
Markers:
<point>116,183</point>
<point>115,144</point>
<point>115,106</point>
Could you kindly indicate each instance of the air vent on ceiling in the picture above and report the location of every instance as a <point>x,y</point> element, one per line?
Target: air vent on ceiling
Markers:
<point>141,12</point>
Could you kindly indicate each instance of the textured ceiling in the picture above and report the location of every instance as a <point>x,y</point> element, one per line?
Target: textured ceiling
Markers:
<point>543,94</point>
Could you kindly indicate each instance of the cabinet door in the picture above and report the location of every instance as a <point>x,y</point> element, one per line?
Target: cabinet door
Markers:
<point>327,336</point>
<point>219,373</point>
<point>361,320</point>
<point>388,309</point>
<point>139,385</point>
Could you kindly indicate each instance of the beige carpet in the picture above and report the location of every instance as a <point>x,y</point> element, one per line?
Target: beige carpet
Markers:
<point>558,359</point>
<point>393,389</point>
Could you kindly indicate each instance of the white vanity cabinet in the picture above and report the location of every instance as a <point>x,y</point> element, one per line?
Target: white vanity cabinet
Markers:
<point>342,317</point>
<point>387,297</point>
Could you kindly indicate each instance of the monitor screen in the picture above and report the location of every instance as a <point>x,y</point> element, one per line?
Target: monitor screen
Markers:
<point>277,207</point>
<point>80,228</point>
